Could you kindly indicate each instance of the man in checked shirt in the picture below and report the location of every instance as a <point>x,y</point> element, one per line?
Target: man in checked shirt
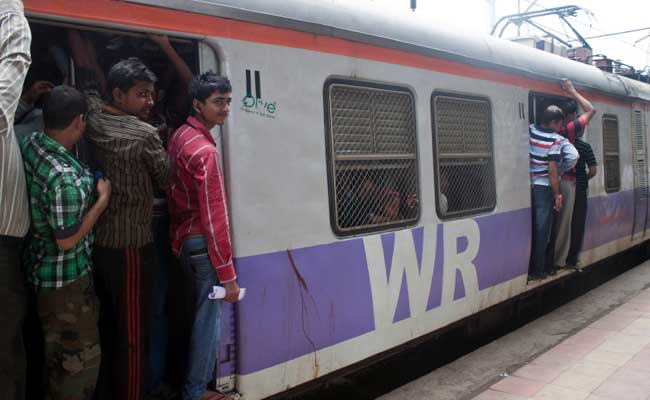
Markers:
<point>199,226</point>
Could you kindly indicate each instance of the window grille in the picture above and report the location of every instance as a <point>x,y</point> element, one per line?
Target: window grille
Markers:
<point>373,156</point>
<point>611,154</point>
<point>640,171</point>
<point>464,162</point>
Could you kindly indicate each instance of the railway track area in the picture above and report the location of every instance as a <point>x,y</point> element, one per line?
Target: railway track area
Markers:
<point>475,357</point>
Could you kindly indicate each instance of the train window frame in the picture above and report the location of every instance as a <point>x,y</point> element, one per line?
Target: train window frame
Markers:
<point>488,207</point>
<point>617,154</point>
<point>331,157</point>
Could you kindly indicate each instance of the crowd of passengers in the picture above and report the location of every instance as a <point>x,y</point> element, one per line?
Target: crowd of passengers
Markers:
<point>76,231</point>
<point>561,165</point>
<point>81,177</point>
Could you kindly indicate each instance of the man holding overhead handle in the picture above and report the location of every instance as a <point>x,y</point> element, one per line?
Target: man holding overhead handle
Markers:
<point>573,128</point>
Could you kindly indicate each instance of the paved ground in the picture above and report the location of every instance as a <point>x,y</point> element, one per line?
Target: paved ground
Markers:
<point>596,347</point>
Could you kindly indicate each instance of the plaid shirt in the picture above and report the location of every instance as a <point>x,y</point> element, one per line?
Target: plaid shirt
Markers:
<point>60,193</point>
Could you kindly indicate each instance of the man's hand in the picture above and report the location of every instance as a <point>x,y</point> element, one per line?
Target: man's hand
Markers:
<point>160,40</point>
<point>104,192</point>
<point>567,86</point>
<point>37,89</point>
<point>558,202</point>
<point>232,292</point>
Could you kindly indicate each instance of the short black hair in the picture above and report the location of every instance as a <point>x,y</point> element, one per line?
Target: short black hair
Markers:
<point>551,114</point>
<point>569,107</point>
<point>62,106</point>
<point>125,73</point>
<point>202,86</point>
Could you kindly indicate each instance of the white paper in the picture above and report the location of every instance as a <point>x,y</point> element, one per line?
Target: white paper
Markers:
<point>219,293</point>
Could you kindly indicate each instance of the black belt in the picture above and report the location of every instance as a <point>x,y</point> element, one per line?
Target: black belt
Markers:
<point>10,240</point>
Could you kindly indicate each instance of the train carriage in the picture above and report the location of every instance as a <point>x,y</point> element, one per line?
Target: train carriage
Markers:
<point>330,98</point>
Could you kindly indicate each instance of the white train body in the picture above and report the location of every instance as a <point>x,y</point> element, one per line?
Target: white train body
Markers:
<point>318,301</point>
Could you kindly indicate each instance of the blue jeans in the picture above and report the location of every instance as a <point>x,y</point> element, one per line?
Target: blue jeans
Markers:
<point>542,210</point>
<point>199,277</point>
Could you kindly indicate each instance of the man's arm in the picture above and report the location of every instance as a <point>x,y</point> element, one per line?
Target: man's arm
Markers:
<point>66,214</point>
<point>570,157</point>
<point>213,208</point>
<point>155,157</point>
<point>66,242</point>
<point>587,107</point>
<point>14,63</point>
<point>555,185</point>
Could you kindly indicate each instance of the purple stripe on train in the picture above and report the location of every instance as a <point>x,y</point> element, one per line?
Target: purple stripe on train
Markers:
<point>325,298</point>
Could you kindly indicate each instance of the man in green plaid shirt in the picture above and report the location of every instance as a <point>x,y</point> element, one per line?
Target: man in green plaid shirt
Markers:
<point>58,257</point>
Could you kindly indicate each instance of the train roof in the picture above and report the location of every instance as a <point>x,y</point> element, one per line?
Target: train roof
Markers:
<point>367,24</point>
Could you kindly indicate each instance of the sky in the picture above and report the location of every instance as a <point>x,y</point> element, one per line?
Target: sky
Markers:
<point>602,16</point>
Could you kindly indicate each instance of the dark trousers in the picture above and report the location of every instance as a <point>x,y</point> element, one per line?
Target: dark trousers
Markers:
<point>577,227</point>
<point>542,212</point>
<point>159,337</point>
<point>124,282</point>
<point>12,314</point>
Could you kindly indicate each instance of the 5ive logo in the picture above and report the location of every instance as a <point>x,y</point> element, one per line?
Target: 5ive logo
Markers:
<point>255,104</point>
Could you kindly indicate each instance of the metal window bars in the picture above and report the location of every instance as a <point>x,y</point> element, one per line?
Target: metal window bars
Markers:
<point>374,155</point>
<point>464,162</point>
<point>611,154</point>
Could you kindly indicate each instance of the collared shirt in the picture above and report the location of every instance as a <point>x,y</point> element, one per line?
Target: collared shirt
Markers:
<point>587,159</point>
<point>14,63</point>
<point>60,193</point>
<point>545,146</point>
<point>197,198</point>
<point>130,154</point>
<point>571,131</point>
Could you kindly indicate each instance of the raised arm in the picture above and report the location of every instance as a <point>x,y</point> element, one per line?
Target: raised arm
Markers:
<point>587,107</point>
<point>181,67</point>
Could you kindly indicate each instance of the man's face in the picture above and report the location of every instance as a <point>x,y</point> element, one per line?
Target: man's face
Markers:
<point>216,108</point>
<point>137,101</point>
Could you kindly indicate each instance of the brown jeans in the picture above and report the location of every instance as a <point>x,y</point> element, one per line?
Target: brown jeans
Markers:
<point>72,353</point>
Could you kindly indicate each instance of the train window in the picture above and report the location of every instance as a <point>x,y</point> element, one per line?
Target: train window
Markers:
<point>464,158</point>
<point>611,154</point>
<point>372,153</point>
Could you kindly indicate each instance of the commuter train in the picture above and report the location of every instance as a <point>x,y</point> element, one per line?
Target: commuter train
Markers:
<point>338,110</point>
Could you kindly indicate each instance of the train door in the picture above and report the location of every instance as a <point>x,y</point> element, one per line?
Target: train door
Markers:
<point>226,359</point>
<point>640,154</point>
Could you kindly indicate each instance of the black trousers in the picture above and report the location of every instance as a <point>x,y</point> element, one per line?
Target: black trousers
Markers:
<point>124,282</point>
<point>577,227</point>
<point>12,315</point>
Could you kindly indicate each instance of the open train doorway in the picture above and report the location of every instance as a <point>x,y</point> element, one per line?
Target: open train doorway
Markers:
<point>80,55</point>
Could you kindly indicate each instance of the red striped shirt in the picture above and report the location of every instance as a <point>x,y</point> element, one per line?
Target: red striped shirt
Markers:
<point>197,198</point>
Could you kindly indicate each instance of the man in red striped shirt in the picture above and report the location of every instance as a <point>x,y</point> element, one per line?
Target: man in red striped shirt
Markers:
<point>199,225</point>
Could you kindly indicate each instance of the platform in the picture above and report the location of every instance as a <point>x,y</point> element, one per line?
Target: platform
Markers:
<point>596,347</point>
<point>609,359</point>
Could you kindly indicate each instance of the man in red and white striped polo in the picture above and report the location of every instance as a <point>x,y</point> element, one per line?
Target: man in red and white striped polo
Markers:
<point>199,225</point>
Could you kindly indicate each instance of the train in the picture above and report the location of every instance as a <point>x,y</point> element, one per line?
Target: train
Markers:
<point>341,109</point>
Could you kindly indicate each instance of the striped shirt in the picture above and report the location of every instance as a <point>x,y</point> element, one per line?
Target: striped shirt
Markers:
<point>587,159</point>
<point>15,39</point>
<point>130,154</point>
<point>571,131</point>
<point>545,146</point>
<point>197,198</point>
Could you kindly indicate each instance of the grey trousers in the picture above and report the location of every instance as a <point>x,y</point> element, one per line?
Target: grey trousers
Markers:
<point>563,239</point>
<point>12,315</point>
